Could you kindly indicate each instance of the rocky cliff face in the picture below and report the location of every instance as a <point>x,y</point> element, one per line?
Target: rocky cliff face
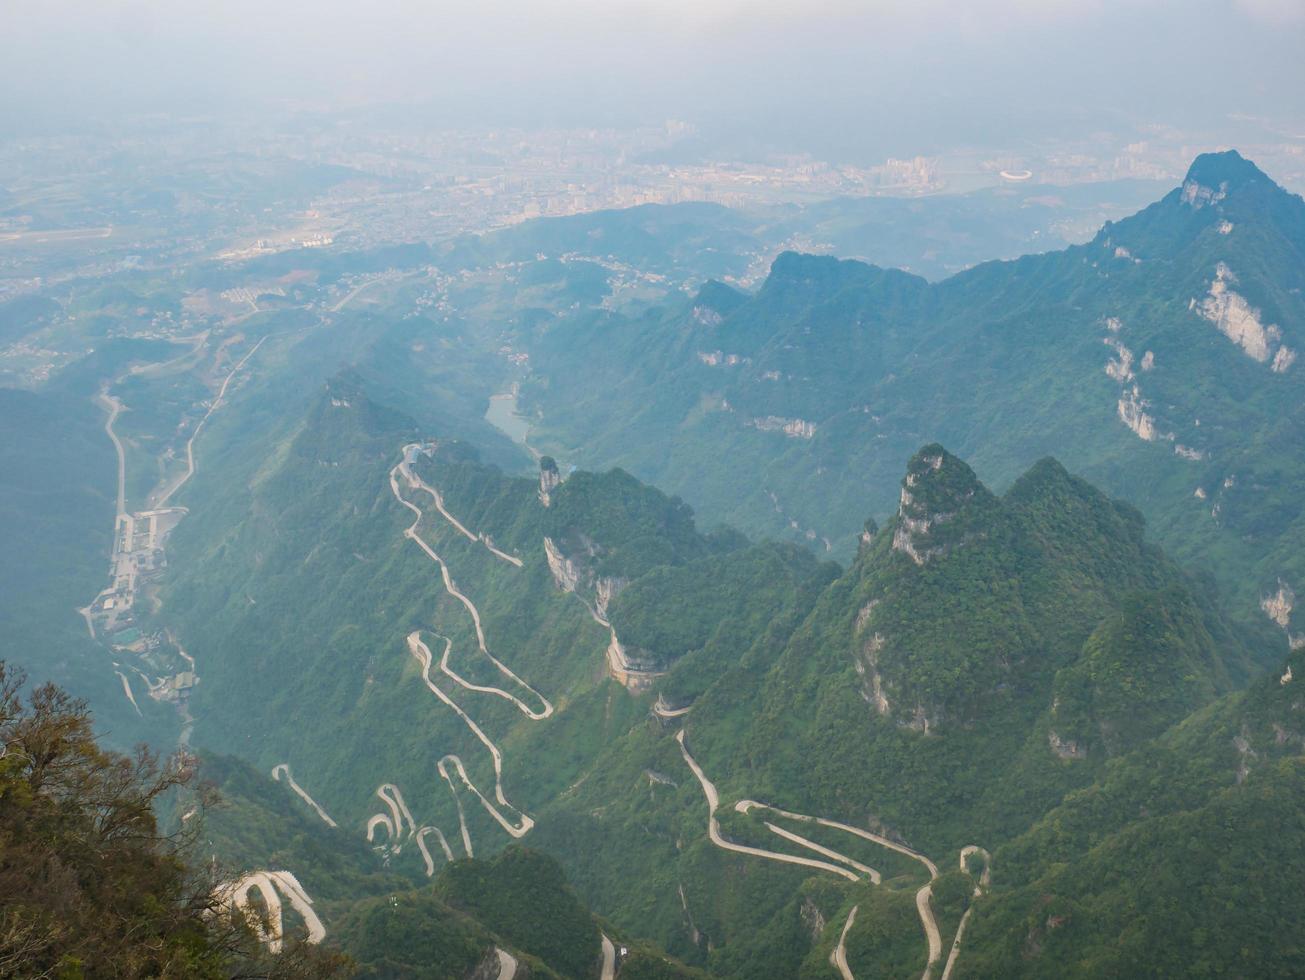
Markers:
<point>936,488</point>
<point>549,479</point>
<point>564,570</point>
<point>1279,607</point>
<point>1242,323</point>
<point>574,573</point>
<point>630,667</point>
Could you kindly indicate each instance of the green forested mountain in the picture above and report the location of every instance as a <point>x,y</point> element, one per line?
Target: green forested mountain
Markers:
<point>1183,859</point>
<point>1158,360</point>
<point>982,659</point>
<point>472,716</point>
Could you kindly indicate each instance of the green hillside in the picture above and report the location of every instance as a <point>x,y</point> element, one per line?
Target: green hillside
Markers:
<point>982,657</point>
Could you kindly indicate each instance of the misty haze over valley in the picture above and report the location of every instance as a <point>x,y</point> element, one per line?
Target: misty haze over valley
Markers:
<point>652,490</point>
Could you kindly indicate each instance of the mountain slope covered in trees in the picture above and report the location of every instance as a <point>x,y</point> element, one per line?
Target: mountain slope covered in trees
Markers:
<point>982,659</point>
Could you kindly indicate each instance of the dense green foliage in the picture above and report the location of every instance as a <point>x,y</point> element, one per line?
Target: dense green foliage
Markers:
<point>1182,860</point>
<point>88,885</point>
<point>522,896</point>
<point>413,935</point>
<point>519,901</point>
<point>1038,619</point>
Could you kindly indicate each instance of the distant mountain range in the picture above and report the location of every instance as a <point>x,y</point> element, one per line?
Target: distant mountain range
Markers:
<point>1160,360</point>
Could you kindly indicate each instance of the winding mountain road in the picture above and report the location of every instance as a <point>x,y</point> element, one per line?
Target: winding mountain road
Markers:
<point>984,879</point>
<point>421,652</point>
<point>609,960</point>
<point>451,588</point>
<point>425,852</point>
<point>451,768</point>
<point>392,797</point>
<point>271,885</point>
<point>846,867</point>
<point>811,845</point>
<point>389,794</point>
<point>662,710</point>
<point>743,806</point>
<point>839,956</point>
<point>417,483</point>
<point>922,897</point>
<point>190,443</point>
<point>713,825</point>
<point>284,770</point>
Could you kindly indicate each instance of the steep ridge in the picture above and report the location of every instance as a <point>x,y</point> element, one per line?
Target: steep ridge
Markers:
<point>914,707</point>
<point>1158,360</point>
<point>285,547</point>
<point>982,657</point>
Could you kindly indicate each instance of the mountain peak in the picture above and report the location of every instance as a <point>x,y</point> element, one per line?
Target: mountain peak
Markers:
<point>937,486</point>
<point>715,300</point>
<point>935,476</point>
<point>815,273</point>
<point>1213,175</point>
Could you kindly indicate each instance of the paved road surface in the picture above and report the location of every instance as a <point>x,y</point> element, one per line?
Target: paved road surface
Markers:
<point>271,885</point>
<point>713,826</point>
<point>979,889</point>
<point>284,770</point>
<point>115,407</point>
<point>451,588</point>
<point>507,964</point>
<point>190,443</point>
<point>417,483</point>
<point>839,956</point>
<point>609,960</point>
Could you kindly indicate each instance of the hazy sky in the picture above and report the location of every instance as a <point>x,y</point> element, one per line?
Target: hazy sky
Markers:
<point>818,73</point>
